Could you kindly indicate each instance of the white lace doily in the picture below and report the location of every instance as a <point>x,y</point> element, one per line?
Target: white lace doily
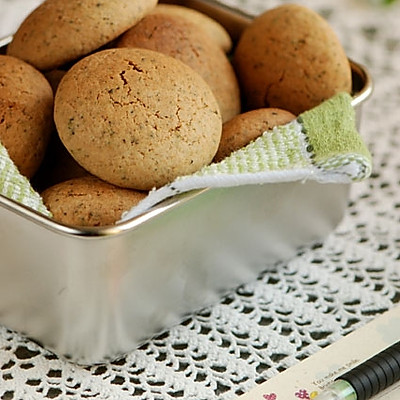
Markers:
<point>294,308</point>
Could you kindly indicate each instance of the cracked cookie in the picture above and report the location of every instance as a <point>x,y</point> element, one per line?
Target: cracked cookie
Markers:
<point>181,39</point>
<point>60,31</point>
<point>137,118</point>
<point>88,201</point>
<point>26,108</point>
<point>246,127</point>
<point>289,57</point>
<point>213,28</point>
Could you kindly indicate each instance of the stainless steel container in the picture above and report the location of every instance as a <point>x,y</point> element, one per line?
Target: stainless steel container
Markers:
<point>95,293</point>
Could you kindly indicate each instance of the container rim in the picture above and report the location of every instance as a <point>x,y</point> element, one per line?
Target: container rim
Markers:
<point>362,90</point>
<point>362,83</point>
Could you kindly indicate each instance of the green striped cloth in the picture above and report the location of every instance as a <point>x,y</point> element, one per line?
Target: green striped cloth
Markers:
<point>17,187</point>
<point>321,144</point>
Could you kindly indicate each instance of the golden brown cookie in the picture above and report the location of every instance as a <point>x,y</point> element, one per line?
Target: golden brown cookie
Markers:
<point>59,31</point>
<point>290,58</point>
<point>203,21</point>
<point>88,201</point>
<point>54,77</point>
<point>181,39</point>
<point>57,166</point>
<point>137,118</point>
<point>26,108</point>
<point>244,128</point>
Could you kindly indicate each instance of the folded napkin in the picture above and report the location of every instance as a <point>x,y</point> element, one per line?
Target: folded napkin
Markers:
<point>322,144</point>
<point>17,187</point>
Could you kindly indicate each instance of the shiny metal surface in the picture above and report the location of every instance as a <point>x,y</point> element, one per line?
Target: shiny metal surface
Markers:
<point>94,293</point>
<point>98,296</point>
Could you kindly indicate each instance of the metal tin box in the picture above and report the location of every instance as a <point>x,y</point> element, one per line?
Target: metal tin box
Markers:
<point>92,294</point>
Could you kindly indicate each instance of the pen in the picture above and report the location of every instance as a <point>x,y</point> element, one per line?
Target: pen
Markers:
<point>367,379</point>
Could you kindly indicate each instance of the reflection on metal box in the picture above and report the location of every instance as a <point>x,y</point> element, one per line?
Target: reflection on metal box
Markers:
<point>94,293</point>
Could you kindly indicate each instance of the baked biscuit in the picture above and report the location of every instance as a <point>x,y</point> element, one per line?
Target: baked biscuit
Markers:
<point>57,166</point>
<point>26,108</point>
<point>181,39</point>
<point>203,21</point>
<point>88,201</point>
<point>54,77</point>
<point>60,31</point>
<point>244,128</point>
<point>289,57</point>
<point>137,118</point>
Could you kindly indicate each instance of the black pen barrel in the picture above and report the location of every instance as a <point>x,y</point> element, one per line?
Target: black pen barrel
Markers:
<point>376,374</point>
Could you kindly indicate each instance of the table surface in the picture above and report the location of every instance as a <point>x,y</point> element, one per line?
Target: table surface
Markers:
<point>294,308</point>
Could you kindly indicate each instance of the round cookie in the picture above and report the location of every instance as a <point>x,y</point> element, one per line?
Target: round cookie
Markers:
<point>54,77</point>
<point>289,57</point>
<point>244,128</point>
<point>88,201</point>
<point>137,118</point>
<point>181,39</point>
<point>57,166</point>
<point>203,21</point>
<point>26,113</point>
<point>59,31</point>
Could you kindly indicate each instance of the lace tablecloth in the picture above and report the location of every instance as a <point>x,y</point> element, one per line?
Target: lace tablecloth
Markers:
<point>294,308</point>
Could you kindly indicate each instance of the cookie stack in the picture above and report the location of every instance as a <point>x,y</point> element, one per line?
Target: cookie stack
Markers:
<point>106,100</point>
